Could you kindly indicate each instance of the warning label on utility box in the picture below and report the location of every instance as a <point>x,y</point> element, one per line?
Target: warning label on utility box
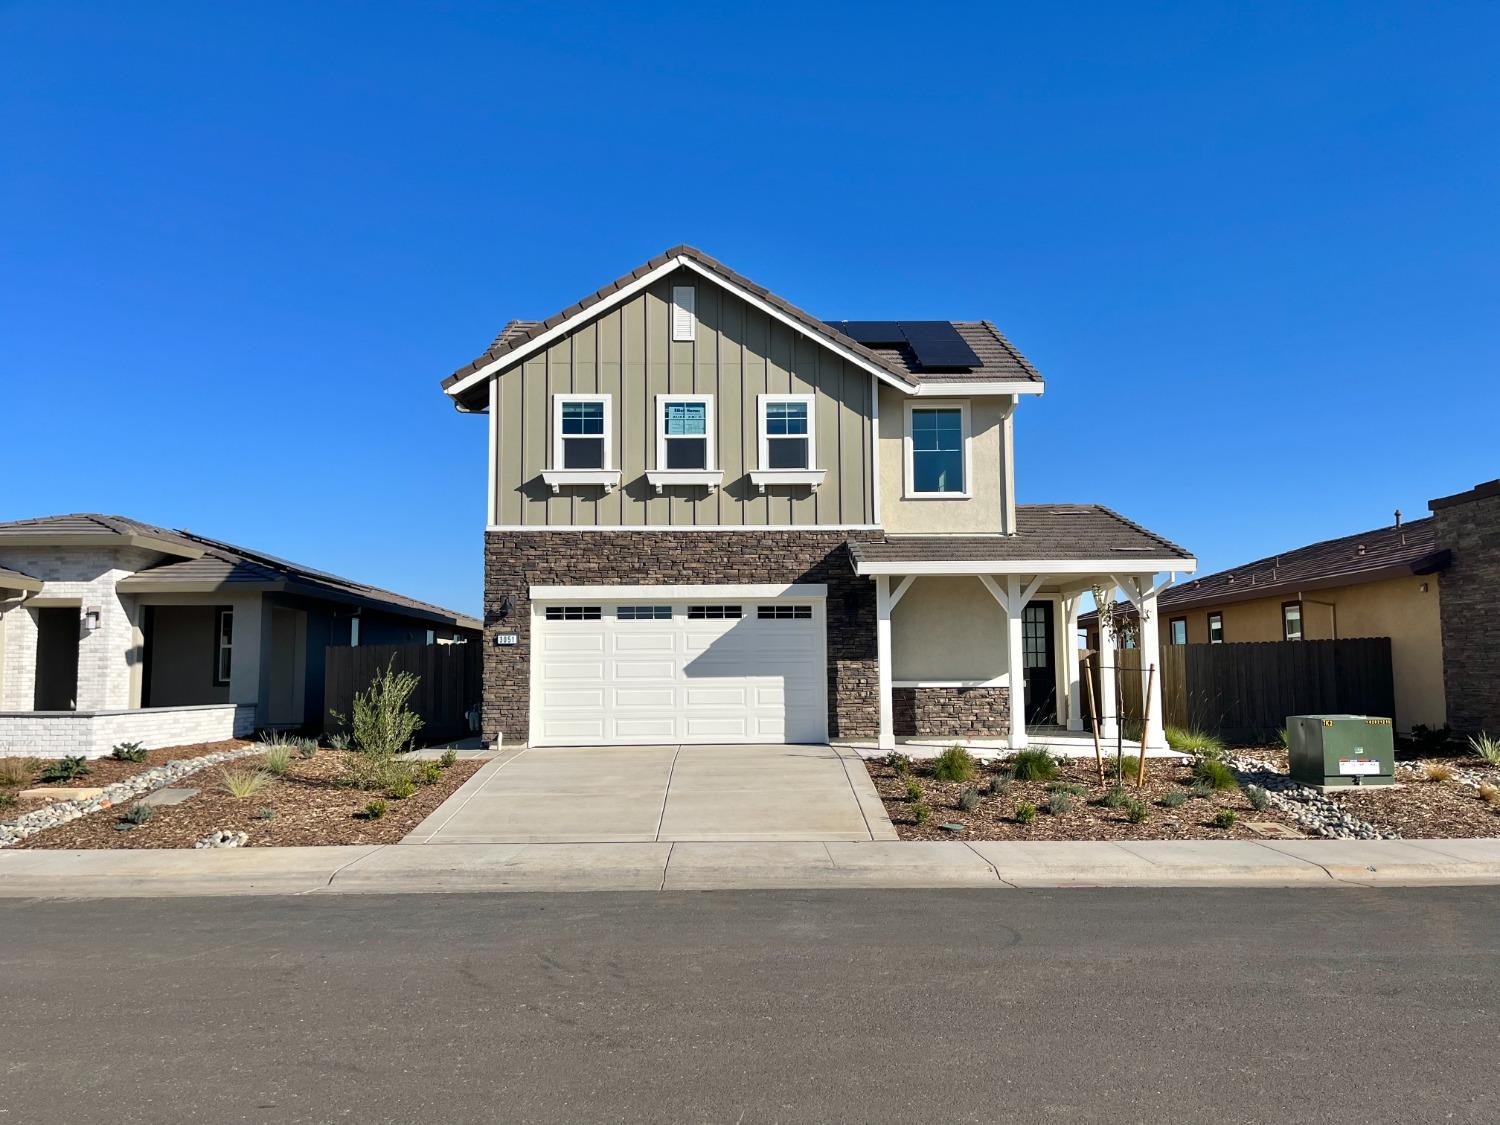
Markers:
<point>1359,765</point>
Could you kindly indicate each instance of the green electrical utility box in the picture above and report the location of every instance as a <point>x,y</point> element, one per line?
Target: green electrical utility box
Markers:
<point>1341,750</point>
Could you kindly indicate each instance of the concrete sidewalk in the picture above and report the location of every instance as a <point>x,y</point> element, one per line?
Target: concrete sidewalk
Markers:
<point>657,866</point>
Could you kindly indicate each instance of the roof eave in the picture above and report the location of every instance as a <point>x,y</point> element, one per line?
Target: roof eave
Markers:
<point>1428,564</point>
<point>99,539</point>
<point>954,567</point>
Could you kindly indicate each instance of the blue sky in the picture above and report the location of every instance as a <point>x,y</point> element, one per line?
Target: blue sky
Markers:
<point>1254,249</point>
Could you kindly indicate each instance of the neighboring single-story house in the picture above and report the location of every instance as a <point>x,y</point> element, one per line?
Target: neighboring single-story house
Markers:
<point>717,518</point>
<point>115,630</point>
<point>1428,585</point>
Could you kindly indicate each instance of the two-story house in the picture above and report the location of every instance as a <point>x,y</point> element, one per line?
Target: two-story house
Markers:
<point>715,518</point>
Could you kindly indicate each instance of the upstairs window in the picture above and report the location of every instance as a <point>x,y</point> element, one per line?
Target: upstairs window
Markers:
<point>786,432</point>
<point>1291,621</point>
<point>581,437</point>
<point>684,432</point>
<point>1215,628</point>
<point>223,645</point>
<point>937,442</point>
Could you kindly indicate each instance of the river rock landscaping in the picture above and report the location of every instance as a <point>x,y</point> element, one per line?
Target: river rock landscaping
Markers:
<point>312,801</point>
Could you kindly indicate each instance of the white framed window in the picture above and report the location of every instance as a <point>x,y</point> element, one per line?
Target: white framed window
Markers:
<point>788,437</point>
<point>684,312</point>
<point>685,433</point>
<point>1291,621</point>
<point>938,460</point>
<point>1215,628</point>
<point>223,644</point>
<point>581,432</point>
<point>354,632</point>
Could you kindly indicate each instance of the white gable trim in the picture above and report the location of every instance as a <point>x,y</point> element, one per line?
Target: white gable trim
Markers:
<point>619,296</point>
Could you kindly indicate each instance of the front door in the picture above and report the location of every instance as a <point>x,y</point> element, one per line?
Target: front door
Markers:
<point>1041,670</point>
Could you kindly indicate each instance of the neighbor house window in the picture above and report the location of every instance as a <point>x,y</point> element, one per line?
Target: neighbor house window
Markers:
<point>1215,628</point>
<point>432,636</point>
<point>685,432</point>
<point>786,432</point>
<point>1291,621</point>
<point>353,632</point>
<point>1178,626</point>
<point>937,440</point>
<point>581,432</point>
<point>223,645</point>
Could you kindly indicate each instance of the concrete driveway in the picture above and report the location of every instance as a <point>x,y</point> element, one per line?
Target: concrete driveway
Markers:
<point>650,793</point>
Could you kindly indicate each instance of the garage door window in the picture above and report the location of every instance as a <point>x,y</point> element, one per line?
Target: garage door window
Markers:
<point>645,613</point>
<point>574,612</point>
<point>713,612</point>
<point>784,612</point>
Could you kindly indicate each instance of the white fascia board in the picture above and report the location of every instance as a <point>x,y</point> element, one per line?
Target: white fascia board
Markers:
<point>1102,567</point>
<point>678,593</point>
<point>977,387</point>
<point>515,356</point>
<point>681,529</point>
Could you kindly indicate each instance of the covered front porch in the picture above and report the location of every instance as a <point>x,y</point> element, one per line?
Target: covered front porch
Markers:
<point>977,648</point>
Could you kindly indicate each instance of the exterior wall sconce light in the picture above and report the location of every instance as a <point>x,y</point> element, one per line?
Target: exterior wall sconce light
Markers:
<point>91,617</point>
<point>506,608</point>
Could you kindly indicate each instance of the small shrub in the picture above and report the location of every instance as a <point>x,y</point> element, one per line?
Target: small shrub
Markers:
<point>128,752</point>
<point>920,813</point>
<point>968,799</point>
<point>1260,800</point>
<point>1439,772</point>
<point>1114,799</point>
<point>1071,788</point>
<point>1175,799</point>
<point>1059,803</point>
<point>274,738</point>
<point>6,800</point>
<point>1193,741</point>
<point>375,809</point>
<point>1224,818</point>
<point>1215,774</point>
<point>401,787</point>
<point>16,772</point>
<point>1033,765</point>
<point>899,763</point>
<point>913,789</point>
<point>305,747</point>
<point>1025,812</point>
<point>955,764</point>
<point>429,773</point>
<point>64,769</point>
<point>1489,793</point>
<point>1130,730</point>
<point>266,813</point>
<point>1281,737</point>
<point>1136,811</point>
<point>339,740</point>
<point>1201,791</point>
<point>243,783</point>
<point>449,759</point>
<point>998,784</point>
<point>1487,747</point>
<point>1130,766</point>
<point>138,814</point>
<point>277,760</point>
<point>383,724</point>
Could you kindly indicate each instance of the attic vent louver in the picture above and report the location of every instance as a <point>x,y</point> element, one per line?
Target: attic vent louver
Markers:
<point>684,309</point>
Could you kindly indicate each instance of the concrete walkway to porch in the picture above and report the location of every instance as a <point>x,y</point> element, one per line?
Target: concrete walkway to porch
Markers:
<point>642,794</point>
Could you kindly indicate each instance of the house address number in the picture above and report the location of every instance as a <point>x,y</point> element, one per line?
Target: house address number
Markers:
<point>503,639</point>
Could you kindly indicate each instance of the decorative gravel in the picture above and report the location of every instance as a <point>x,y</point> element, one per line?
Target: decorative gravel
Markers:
<point>135,785</point>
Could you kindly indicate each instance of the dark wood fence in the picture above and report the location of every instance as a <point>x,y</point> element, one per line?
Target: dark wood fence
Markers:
<point>1245,691</point>
<point>449,679</point>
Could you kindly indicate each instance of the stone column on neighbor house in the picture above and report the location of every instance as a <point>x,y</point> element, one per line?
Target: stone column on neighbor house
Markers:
<point>1071,669</point>
<point>1105,658</point>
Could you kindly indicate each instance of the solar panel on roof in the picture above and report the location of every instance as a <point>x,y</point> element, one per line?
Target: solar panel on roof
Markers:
<point>871,333</point>
<point>934,343</point>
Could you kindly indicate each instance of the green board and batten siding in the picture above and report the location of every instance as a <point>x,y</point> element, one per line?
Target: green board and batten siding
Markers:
<point>739,353</point>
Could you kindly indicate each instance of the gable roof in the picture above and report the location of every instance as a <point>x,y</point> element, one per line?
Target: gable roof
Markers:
<point>1368,556</point>
<point>205,564</point>
<point>999,358</point>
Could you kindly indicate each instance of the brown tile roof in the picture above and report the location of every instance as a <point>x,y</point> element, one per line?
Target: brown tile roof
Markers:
<point>16,580</point>
<point>1349,560</point>
<point>1064,532</point>
<point>1000,358</point>
<point>219,563</point>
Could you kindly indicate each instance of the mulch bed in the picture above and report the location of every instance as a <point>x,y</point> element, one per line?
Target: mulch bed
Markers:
<point>310,805</point>
<point>1088,819</point>
<point>107,771</point>
<point>1421,809</point>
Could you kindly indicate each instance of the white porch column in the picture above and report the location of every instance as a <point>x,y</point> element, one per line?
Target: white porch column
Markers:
<point>1108,719</point>
<point>1152,737</point>
<point>887,739</point>
<point>1015,662</point>
<point>1070,657</point>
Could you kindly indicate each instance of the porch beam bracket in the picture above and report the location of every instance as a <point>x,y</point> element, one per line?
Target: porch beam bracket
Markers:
<point>900,591</point>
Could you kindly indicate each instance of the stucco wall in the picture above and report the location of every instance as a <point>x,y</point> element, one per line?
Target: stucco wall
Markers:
<point>981,512</point>
<point>946,630</point>
<point>182,657</point>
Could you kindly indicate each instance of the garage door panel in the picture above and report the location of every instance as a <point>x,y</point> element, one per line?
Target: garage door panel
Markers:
<point>612,679</point>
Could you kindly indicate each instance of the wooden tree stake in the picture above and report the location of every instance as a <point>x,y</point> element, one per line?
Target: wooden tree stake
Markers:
<point>1088,681</point>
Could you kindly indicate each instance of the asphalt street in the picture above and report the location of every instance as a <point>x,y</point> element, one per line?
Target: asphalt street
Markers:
<point>1245,1005</point>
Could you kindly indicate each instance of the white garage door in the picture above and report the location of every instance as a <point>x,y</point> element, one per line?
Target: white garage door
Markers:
<point>708,670</point>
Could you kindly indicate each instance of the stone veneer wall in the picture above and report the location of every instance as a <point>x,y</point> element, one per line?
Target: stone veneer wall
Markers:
<point>92,734</point>
<point>978,712</point>
<point>1469,527</point>
<point>516,561</point>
